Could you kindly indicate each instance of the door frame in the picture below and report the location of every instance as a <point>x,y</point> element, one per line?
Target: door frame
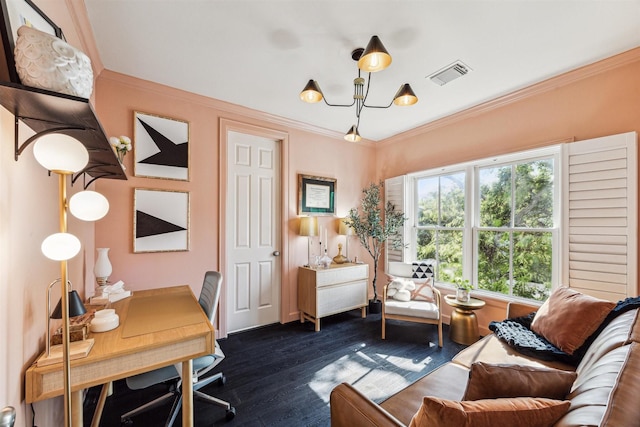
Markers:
<point>226,126</point>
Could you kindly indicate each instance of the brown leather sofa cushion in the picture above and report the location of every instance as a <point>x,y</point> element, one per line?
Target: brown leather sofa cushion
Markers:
<point>488,381</point>
<point>519,411</point>
<point>448,382</point>
<point>567,318</point>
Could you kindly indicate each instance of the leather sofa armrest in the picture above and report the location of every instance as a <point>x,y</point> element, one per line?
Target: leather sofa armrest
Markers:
<point>519,309</point>
<point>351,408</point>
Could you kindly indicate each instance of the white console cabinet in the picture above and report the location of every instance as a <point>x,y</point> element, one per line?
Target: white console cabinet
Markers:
<point>326,291</point>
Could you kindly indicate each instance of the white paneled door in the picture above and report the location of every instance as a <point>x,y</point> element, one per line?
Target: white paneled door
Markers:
<point>253,231</point>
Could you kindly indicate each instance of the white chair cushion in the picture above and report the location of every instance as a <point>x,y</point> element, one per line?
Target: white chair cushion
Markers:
<point>424,309</point>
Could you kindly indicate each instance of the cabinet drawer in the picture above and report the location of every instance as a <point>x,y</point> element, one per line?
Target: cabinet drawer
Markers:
<point>338,298</point>
<point>333,276</point>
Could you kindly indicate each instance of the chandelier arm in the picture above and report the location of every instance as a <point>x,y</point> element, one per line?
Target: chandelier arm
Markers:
<point>380,106</point>
<point>338,105</point>
<point>365,97</point>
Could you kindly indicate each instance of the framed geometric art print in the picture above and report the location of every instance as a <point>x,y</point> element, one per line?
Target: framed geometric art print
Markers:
<point>161,147</point>
<point>160,220</point>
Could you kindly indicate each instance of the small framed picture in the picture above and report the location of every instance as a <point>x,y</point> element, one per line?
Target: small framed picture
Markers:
<point>316,195</point>
<point>161,147</point>
<point>16,13</point>
<point>160,220</point>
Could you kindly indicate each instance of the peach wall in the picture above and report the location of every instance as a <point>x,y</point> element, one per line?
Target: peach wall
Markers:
<point>119,96</point>
<point>597,100</point>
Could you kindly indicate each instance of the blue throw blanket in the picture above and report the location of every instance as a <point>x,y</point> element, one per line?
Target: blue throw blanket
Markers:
<point>518,335</point>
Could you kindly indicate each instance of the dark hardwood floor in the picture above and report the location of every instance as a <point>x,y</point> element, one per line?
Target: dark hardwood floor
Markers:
<point>281,375</point>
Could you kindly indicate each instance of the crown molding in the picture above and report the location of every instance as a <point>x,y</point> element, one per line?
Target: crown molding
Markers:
<point>548,85</point>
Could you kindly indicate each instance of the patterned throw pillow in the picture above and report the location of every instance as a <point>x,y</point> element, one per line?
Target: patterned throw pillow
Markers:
<point>422,269</point>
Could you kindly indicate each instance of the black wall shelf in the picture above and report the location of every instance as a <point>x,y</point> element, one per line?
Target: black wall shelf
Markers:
<point>43,110</point>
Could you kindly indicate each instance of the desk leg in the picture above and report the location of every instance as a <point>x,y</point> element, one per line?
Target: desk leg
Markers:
<point>187,393</point>
<point>107,390</point>
<point>76,408</point>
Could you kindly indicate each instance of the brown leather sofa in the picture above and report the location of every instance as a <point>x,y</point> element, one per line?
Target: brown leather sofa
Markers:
<point>605,392</point>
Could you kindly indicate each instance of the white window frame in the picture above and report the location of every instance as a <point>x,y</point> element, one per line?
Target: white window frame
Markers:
<point>553,152</point>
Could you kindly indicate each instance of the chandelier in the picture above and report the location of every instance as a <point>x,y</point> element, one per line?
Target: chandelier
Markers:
<point>371,59</point>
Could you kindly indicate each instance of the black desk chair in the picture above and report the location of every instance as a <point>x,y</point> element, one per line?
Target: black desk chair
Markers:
<point>208,300</point>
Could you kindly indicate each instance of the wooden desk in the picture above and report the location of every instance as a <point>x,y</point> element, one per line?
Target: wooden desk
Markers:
<point>114,357</point>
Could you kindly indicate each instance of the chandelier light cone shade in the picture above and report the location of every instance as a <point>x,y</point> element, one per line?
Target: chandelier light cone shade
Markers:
<point>308,226</point>
<point>405,96</point>
<point>88,205</point>
<point>375,57</point>
<point>60,153</point>
<point>353,135</point>
<point>311,92</point>
<point>60,246</point>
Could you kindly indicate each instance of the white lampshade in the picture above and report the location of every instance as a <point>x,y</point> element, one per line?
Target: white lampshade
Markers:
<point>60,153</point>
<point>88,205</point>
<point>60,246</point>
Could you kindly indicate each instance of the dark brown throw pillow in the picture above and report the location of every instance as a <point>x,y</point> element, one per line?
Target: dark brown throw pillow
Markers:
<point>567,318</point>
<point>488,381</point>
<point>518,411</point>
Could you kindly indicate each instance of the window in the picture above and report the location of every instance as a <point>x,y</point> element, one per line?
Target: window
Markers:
<point>514,249</point>
<point>494,222</point>
<point>441,222</point>
<point>510,224</point>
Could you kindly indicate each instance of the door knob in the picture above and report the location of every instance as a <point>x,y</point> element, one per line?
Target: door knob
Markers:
<point>276,253</point>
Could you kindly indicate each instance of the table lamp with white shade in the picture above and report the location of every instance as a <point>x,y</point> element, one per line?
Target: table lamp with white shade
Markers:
<point>345,230</point>
<point>309,228</point>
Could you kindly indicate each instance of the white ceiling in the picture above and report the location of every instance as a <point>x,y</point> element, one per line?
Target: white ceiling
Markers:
<point>261,53</point>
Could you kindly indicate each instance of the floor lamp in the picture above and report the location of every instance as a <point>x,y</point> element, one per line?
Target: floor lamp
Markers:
<point>344,229</point>
<point>309,228</point>
<point>64,156</point>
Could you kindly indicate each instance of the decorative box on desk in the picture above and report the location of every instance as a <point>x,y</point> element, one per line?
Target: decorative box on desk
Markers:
<point>326,291</point>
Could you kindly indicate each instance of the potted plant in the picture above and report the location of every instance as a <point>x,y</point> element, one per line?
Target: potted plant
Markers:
<point>373,228</point>
<point>463,289</point>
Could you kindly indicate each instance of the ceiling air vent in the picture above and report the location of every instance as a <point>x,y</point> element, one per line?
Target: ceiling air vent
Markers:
<point>449,73</point>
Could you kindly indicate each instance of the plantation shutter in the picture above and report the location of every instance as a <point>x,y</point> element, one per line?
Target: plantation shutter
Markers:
<point>600,216</point>
<point>394,192</point>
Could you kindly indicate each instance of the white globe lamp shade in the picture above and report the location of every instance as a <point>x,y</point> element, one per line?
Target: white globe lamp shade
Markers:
<point>60,153</point>
<point>88,205</point>
<point>60,246</point>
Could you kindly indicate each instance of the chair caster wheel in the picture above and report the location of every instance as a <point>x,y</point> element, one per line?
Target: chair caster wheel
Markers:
<point>222,380</point>
<point>126,422</point>
<point>231,413</point>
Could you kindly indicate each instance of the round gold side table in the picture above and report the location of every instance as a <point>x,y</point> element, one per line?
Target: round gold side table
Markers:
<point>463,327</point>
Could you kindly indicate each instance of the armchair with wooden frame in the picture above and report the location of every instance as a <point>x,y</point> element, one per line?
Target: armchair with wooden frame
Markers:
<point>423,306</point>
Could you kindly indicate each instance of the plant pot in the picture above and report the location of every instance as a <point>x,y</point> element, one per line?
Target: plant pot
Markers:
<point>375,307</point>
<point>463,295</point>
